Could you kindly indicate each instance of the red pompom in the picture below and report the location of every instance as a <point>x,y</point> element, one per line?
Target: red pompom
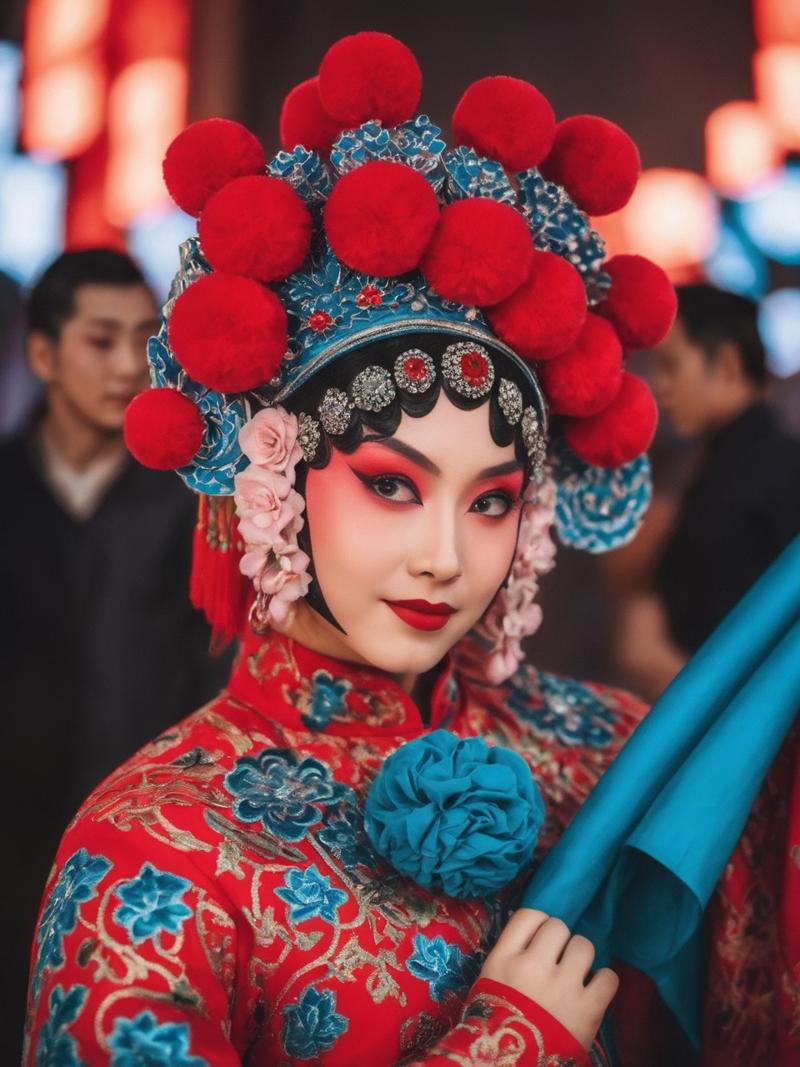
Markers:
<point>206,156</point>
<point>585,379</point>
<point>305,121</point>
<point>506,119</point>
<point>257,226</point>
<point>620,433</point>
<point>228,333</point>
<point>596,162</point>
<point>641,302</point>
<point>544,317</point>
<point>480,253</point>
<point>380,218</point>
<point>370,76</point>
<point>163,429</point>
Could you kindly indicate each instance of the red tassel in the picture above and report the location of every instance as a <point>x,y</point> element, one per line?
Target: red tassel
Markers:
<point>198,551</point>
<point>217,588</point>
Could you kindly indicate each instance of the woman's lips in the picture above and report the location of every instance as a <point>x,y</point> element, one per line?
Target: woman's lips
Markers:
<point>421,614</point>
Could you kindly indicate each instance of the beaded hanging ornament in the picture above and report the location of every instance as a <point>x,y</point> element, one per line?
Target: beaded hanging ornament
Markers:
<point>366,226</point>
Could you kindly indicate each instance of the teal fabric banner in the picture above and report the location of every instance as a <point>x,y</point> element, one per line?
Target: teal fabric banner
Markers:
<point>637,866</point>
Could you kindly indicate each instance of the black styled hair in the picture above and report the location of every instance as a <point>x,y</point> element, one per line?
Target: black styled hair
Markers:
<point>712,317</point>
<point>384,423</point>
<point>52,299</point>
<point>341,372</point>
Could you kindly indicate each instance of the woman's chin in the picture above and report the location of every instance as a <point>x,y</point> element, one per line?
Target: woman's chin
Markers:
<point>401,649</point>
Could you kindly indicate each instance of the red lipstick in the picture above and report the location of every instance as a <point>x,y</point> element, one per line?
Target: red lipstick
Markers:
<point>421,614</point>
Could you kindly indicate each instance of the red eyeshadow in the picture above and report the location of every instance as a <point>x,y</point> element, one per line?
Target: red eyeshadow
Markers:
<point>507,483</point>
<point>385,463</point>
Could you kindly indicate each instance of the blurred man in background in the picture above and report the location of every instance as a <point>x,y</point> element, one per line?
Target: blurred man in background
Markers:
<point>99,649</point>
<point>742,506</point>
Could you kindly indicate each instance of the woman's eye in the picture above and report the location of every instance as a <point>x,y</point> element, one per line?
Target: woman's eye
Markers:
<point>495,505</point>
<point>396,489</point>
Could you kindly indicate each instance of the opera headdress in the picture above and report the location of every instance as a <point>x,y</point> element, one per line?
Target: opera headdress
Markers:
<point>477,262</point>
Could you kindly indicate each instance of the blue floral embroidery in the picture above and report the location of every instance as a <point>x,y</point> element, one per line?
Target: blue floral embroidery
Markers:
<point>416,143</point>
<point>469,174</point>
<point>310,894</point>
<point>305,172</point>
<point>327,698</point>
<point>152,902</point>
<point>312,1025</point>
<point>347,839</point>
<point>76,884</point>
<point>325,284</point>
<point>286,795</point>
<point>443,966</point>
<point>56,1047</point>
<point>219,457</point>
<point>142,1042</point>
<point>569,711</point>
<point>559,226</point>
<point>598,509</point>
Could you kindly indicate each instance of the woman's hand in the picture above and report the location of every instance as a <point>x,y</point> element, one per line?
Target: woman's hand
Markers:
<point>537,956</point>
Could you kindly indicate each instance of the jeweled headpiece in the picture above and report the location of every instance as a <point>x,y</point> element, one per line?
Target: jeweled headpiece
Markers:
<point>367,226</point>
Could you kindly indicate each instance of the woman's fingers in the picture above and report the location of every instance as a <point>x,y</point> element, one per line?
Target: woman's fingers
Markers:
<point>550,940</point>
<point>579,956</point>
<point>602,988</point>
<point>537,956</point>
<point>519,930</point>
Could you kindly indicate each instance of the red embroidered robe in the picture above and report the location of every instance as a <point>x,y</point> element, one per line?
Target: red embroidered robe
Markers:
<point>216,901</point>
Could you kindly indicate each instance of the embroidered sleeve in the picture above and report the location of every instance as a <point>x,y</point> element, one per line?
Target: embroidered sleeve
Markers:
<point>132,961</point>
<point>500,1025</point>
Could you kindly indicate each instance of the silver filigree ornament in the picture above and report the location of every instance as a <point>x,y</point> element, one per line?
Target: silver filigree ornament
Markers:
<point>414,371</point>
<point>308,435</point>
<point>372,389</point>
<point>509,397</point>
<point>334,411</point>
<point>467,369</point>
<point>534,442</point>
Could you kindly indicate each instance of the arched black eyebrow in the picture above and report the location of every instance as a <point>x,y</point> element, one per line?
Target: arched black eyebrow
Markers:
<point>426,464</point>
<point>403,449</point>
<point>511,467</point>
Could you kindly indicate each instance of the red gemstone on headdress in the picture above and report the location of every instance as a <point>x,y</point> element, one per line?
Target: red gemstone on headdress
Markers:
<point>474,368</point>
<point>414,368</point>
<point>369,297</point>
<point>319,321</point>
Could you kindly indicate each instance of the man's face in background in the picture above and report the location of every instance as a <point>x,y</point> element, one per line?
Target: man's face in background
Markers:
<point>99,362</point>
<point>687,384</point>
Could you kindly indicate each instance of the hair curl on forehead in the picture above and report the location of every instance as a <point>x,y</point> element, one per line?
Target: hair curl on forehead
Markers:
<point>384,423</point>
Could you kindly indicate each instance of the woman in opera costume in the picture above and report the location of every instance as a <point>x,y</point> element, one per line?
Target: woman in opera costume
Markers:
<point>388,368</point>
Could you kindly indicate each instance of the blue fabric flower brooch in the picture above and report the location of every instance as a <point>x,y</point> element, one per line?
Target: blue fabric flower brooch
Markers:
<point>456,815</point>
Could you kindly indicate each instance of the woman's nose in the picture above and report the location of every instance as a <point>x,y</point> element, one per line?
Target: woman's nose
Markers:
<point>435,551</point>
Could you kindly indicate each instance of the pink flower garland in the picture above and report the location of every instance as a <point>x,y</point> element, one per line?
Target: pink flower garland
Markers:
<point>514,613</point>
<point>270,511</point>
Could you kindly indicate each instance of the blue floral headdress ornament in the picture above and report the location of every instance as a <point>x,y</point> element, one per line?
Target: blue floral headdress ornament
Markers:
<point>367,226</point>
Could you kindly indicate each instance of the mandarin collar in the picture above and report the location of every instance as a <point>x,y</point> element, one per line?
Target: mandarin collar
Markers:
<point>291,684</point>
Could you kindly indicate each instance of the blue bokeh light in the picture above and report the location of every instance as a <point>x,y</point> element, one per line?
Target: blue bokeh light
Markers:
<point>736,265</point>
<point>779,325</point>
<point>770,216</point>
<point>32,206</point>
<point>10,69</point>
<point>154,239</point>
